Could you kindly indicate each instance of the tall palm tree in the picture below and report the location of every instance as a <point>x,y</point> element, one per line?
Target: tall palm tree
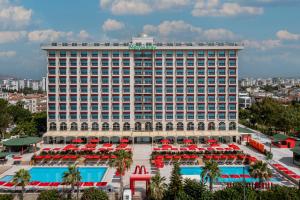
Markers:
<point>261,171</point>
<point>212,171</point>
<point>122,163</point>
<point>22,178</point>
<point>158,187</point>
<point>72,177</point>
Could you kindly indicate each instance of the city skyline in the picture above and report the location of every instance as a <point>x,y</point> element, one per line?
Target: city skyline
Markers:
<point>270,48</point>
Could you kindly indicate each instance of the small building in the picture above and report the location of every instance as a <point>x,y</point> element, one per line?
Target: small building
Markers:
<point>296,155</point>
<point>285,141</point>
<point>22,144</point>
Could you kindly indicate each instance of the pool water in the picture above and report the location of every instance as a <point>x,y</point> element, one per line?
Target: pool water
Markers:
<point>6,178</point>
<point>224,170</point>
<point>54,174</point>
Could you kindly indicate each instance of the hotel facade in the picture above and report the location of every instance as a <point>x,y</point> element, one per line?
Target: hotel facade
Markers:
<point>143,90</point>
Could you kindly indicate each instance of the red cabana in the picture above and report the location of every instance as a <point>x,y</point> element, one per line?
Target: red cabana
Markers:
<point>216,157</point>
<point>94,140</point>
<point>187,141</point>
<point>168,157</point>
<point>107,145</point>
<point>295,176</point>
<point>231,157</point>
<point>77,140</point>
<point>223,157</point>
<point>193,156</point>
<point>165,141</point>
<point>54,184</point>
<point>212,141</point>
<point>192,147</point>
<point>207,157</point>
<point>124,140</point>
<point>90,145</point>
<point>185,156</point>
<point>70,147</point>
<point>159,157</point>
<point>57,156</point>
<point>176,157</point>
<point>87,184</point>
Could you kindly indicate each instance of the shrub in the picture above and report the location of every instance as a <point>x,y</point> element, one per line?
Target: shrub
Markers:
<point>49,195</point>
<point>6,197</point>
<point>94,194</point>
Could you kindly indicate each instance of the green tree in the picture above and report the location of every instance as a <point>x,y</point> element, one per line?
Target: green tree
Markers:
<point>5,118</point>
<point>261,171</point>
<point>279,193</point>
<point>122,163</point>
<point>6,197</point>
<point>27,128</point>
<point>72,177</point>
<point>94,194</point>
<point>236,193</point>
<point>157,187</point>
<point>40,121</point>
<point>19,114</point>
<point>269,156</point>
<point>22,178</point>
<point>49,195</point>
<point>175,188</point>
<point>212,171</point>
<point>196,190</point>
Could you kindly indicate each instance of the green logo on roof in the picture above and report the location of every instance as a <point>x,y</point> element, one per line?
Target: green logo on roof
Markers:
<point>142,47</point>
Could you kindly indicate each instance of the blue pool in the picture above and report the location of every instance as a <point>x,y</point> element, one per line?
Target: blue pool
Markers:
<point>224,170</point>
<point>54,174</point>
<point>6,178</point>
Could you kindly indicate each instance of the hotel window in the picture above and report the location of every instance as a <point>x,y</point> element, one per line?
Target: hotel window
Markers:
<point>126,62</point>
<point>232,72</point>
<point>201,62</point>
<point>138,116</point>
<point>179,107</point>
<point>115,81</point>
<point>83,71</point>
<point>179,98</point>
<point>84,89</point>
<point>83,62</point>
<point>211,63</point>
<point>138,54</point>
<point>126,98</point>
<point>201,89</point>
<point>62,116</point>
<point>83,54</point>
<point>148,99</point>
<point>201,54</point>
<point>73,71</point>
<point>148,63</point>
<point>116,90</point>
<point>190,116</point>
<point>179,89</point>
<point>116,98</point>
<point>62,53</point>
<point>73,106</point>
<point>126,71</point>
<point>94,62</point>
<point>169,107</point>
<point>211,71</point>
<point>169,80</point>
<point>211,98</point>
<point>73,62</point>
<point>221,98</point>
<point>83,98</point>
<point>158,72</point>
<point>169,99</point>
<point>179,80</point>
<point>126,107</point>
<point>73,115</point>
<point>221,115</point>
<point>158,80</point>
<point>201,115</point>
<point>211,89</point>
<point>169,72</point>
<point>83,107</point>
<point>116,107</point>
<point>232,89</point>
<point>138,63</point>
<point>232,53</point>
<point>73,98</point>
<point>179,115</point>
<point>179,72</point>
<point>62,80</point>
<point>221,89</point>
<point>158,116</point>
<point>104,62</point>
<point>51,53</point>
<point>158,107</point>
<point>222,72</point>
<point>190,98</point>
<point>115,62</point>
<point>105,54</point>
<point>211,116</point>
<point>94,71</point>
<point>179,54</point>
<point>138,107</point>
<point>158,63</point>
<point>201,106</point>
<point>158,89</point>
<point>169,54</point>
<point>201,71</point>
<point>190,54</point>
<point>232,115</point>
<point>95,54</point>
<point>105,116</point>
<point>232,107</point>
<point>222,106</point>
<point>73,53</point>
<point>105,107</point>
<point>137,98</point>
<point>232,98</point>
<point>126,116</point>
<point>51,71</point>
<point>221,53</point>
<point>73,80</point>
<point>126,54</point>
<point>52,62</point>
<point>232,63</point>
<point>148,107</point>
<point>179,62</point>
<point>62,89</point>
<point>62,62</point>
<point>211,107</point>
<point>147,54</point>
<point>221,62</point>
<point>190,63</point>
<point>105,98</point>
<point>148,90</point>
<point>94,115</point>
<point>190,107</point>
<point>94,98</point>
<point>158,54</point>
<point>190,90</point>
<point>51,115</point>
<point>221,81</point>
<point>126,89</point>
<point>201,98</point>
<point>116,54</point>
<point>51,106</point>
<point>211,54</point>
<point>83,80</point>
<point>158,98</point>
<point>169,116</point>
<point>83,116</point>
<point>52,88</point>
<point>169,62</point>
<point>190,71</point>
<point>211,80</point>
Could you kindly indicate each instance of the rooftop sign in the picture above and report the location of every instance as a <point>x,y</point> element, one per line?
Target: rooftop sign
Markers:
<point>142,47</point>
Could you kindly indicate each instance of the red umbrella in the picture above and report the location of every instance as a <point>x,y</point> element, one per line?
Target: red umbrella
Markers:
<point>94,140</point>
<point>210,149</point>
<point>44,184</point>
<point>289,172</point>
<point>223,157</point>
<point>201,149</point>
<point>216,157</point>
<point>231,156</point>
<point>212,141</point>
<point>187,141</point>
<point>54,184</point>
<point>105,157</point>
<point>124,140</point>
<point>90,145</point>
<point>87,184</point>
<point>176,157</point>
<point>77,140</point>
<point>165,141</point>
<point>107,145</point>
<point>34,183</point>
<point>70,147</point>
<point>183,149</point>
<point>56,149</point>
<point>158,157</point>
<point>46,149</point>
<point>113,156</point>
<point>207,156</point>
<point>48,157</point>
<point>220,149</point>
<point>192,147</point>
<point>39,157</point>
<point>168,157</point>
<point>193,156</point>
<point>185,156</point>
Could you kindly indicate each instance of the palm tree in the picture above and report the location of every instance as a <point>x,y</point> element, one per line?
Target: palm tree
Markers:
<point>261,171</point>
<point>22,178</point>
<point>72,177</point>
<point>122,163</point>
<point>158,187</point>
<point>212,171</point>
<point>269,156</point>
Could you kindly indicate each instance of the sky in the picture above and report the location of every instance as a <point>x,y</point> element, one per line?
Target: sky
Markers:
<point>268,29</point>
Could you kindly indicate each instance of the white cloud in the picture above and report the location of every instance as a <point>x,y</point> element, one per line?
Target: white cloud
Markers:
<point>83,35</point>
<point>180,28</point>
<point>12,16</point>
<point>112,25</point>
<point>140,7</point>
<point>262,45</point>
<point>285,35</point>
<point>8,54</point>
<point>11,36</point>
<point>48,35</point>
<point>216,8</point>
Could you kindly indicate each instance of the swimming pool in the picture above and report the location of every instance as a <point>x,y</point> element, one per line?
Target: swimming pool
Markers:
<point>6,178</point>
<point>224,170</point>
<point>54,174</point>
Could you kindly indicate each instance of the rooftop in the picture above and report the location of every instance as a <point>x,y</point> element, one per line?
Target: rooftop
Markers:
<point>22,141</point>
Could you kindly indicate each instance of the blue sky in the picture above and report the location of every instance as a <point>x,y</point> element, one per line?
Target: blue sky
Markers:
<point>269,29</point>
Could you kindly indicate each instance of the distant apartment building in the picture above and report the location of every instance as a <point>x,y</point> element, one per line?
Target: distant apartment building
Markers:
<point>244,100</point>
<point>33,102</point>
<point>142,89</point>
<point>17,85</point>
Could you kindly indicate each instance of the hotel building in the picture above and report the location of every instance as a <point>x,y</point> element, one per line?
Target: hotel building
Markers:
<point>142,89</point>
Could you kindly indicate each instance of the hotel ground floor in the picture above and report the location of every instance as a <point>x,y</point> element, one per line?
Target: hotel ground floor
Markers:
<point>141,137</point>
